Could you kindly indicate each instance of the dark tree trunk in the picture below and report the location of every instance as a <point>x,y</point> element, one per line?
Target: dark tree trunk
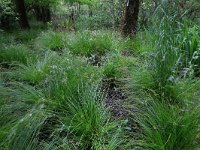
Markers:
<point>131,17</point>
<point>43,13</point>
<point>48,15</point>
<point>5,22</point>
<point>20,6</point>
<point>38,13</point>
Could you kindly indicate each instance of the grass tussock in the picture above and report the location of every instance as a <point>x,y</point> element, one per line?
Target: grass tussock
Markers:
<point>169,127</point>
<point>14,53</point>
<point>50,40</point>
<point>92,43</point>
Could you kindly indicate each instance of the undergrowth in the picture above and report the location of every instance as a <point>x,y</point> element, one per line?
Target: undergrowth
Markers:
<point>51,94</point>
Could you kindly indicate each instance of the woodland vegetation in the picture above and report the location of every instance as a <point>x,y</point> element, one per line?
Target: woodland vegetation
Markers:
<point>99,75</point>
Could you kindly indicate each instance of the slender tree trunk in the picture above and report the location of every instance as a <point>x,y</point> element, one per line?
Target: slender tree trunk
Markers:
<point>131,17</point>
<point>20,6</point>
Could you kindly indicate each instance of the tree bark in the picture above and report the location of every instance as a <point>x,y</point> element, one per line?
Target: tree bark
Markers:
<point>20,7</point>
<point>131,17</point>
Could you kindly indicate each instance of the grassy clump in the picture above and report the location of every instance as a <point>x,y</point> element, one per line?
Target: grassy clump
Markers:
<point>190,49</point>
<point>116,66</point>
<point>91,43</point>
<point>170,119</point>
<point>26,36</point>
<point>64,109</point>
<point>14,53</point>
<point>142,43</point>
<point>34,71</point>
<point>79,107</point>
<point>50,40</point>
<point>169,127</point>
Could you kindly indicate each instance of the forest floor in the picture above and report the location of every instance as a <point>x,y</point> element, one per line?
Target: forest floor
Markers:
<point>93,90</point>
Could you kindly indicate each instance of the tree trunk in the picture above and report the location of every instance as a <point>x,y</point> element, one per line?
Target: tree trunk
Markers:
<point>5,22</point>
<point>43,13</point>
<point>48,15</point>
<point>20,7</point>
<point>131,17</point>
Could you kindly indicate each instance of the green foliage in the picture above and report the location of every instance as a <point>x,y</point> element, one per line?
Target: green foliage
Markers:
<point>190,49</point>
<point>51,93</point>
<point>78,104</point>
<point>16,101</point>
<point>26,36</point>
<point>143,43</point>
<point>74,102</point>
<point>117,66</point>
<point>24,135</point>
<point>88,44</point>
<point>43,2</point>
<point>5,40</point>
<point>50,41</point>
<point>81,2</point>
<point>6,11</point>
<point>14,53</point>
<point>6,8</point>
<point>34,72</point>
<point>140,80</point>
<point>175,57</point>
<point>169,127</point>
<point>95,22</point>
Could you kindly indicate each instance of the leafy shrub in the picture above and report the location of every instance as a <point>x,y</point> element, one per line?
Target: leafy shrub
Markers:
<point>6,12</point>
